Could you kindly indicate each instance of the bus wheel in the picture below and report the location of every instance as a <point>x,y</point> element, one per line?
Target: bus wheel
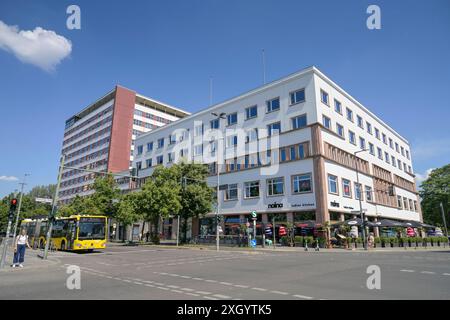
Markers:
<point>41,244</point>
<point>90,250</point>
<point>63,246</point>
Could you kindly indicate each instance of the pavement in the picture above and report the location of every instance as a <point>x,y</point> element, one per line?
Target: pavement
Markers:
<point>199,272</point>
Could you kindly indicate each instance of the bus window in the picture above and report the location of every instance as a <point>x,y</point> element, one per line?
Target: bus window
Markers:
<point>91,229</point>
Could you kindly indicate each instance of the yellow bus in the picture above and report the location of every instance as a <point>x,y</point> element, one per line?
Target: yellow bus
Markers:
<point>74,233</point>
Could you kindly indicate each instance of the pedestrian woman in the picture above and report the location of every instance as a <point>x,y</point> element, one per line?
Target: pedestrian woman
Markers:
<point>19,249</point>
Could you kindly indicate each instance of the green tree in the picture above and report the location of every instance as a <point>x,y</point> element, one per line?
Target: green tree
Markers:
<point>106,195</point>
<point>127,212</point>
<point>159,198</point>
<point>196,196</point>
<point>435,190</point>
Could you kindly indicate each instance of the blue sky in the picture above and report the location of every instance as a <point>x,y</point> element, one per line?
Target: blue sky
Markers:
<point>168,50</point>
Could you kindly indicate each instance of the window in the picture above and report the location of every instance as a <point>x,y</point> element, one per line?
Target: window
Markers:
<point>396,147</point>
<point>346,188</point>
<point>337,106</point>
<point>198,130</point>
<point>393,161</point>
<point>384,138</point>
<point>232,119</point>
<point>371,149</point>
<point>402,151</point>
<point>405,203</point>
<point>139,165</point>
<point>404,166</point>
<point>407,154</point>
<point>185,135</point>
<point>283,154</point>
<point>386,157</point>
<point>251,112</point>
<point>159,159</point>
<point>184,153</point>
<point>172,139</point>
<point>399,202</point>
<point>340,130</point>
<point>411,206</point>
<point>358,191</point>
<point>148,163</point>
<point>369,127</point>
<point>409,169</point>
<point>391,143</point>
<point>362,143</point>
<point>380,153</point>
<point>292,155</point>
<point>274,128</point>
<point>349,115</point>
<point>302,183</point>
<point>369,194</point>
<point>231,193</point>
<point>299,122</point>
<point>251,189</point>
<point>198,150</point>
<point>273,105</point>
<point>326,122</point>
<point>377,133</point>
<point>213,147</point>
<point>351,137</point>
<point>324,97</point>
<point>171,157</point>
<point>251,135</point>
<point>360,122</point>
<point>332,184</point>
<point>297,96</point>
<point>149,146</point>
<point>160,143</point>
<point>214,124</point>
<point>415,206</point>
<point>399,164</point>
<point>232,141</point>
<point>140,149</point>
<point>275,186</point>
<point>301,151</point>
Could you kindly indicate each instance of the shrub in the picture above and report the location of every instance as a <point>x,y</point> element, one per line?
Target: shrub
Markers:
<point>284,240</point>
<point>377,240</point>
<point>298,239</point>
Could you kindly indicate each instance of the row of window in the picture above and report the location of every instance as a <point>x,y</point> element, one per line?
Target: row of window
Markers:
<point>370,146</point>
<point>407,204</point>
<point>252,134</point>
<point>333,188</point>
<point>300,183</point>
<point>365,125</point>
<point>88,148</point>
<point>90,166</point>
<point>88,121</point>
<point>88,157</point>
<point>151,116</point>
<point>89,129</point>
<point>145,124</point>
<point>87,139</point>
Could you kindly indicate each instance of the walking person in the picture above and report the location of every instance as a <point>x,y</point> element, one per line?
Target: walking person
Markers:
<point>371,240</point>
<point>19,249</point>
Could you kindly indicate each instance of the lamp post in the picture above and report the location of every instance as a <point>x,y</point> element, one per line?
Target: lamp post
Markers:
<point>20,204</point>
<point>218,116</point>
<point>361,212</point>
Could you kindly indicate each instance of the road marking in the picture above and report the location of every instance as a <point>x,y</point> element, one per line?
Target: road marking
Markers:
<point>203,292</point>
<point>221,296</point>
<point>126,280</point>
<point>212,281</point>
<point>150,285</point>
<point>279,292</point>
<point>158,283</point>
<point>192,294</point>
<point>302,297</point>
<point>174,287</point>
<point>177,291</point>
<point>226,283</point>
<point>199,279</point>
<point>405,270</point>
<point>428,272</point>
<point>210,298</point>
<point>187,289</point>
<point>241,286</point>
<point>162,288</point>
<point>259,289</point>
<point>185,277</point>
<point>140,283</point>
<point>446,274</point>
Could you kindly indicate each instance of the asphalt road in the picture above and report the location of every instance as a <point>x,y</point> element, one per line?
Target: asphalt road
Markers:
<point>161,273</point>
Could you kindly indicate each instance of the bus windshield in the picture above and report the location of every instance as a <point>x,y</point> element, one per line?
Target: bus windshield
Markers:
<point>91,229</point>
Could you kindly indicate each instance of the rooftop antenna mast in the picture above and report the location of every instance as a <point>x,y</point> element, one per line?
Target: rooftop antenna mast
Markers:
<point>264,65</point>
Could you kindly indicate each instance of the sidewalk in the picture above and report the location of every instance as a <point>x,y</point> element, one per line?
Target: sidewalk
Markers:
<point>32,260</point>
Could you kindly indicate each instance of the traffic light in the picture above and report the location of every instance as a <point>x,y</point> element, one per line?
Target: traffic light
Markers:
<point>12,208</point>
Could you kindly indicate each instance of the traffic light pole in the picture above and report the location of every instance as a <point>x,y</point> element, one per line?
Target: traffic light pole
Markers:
<point>20,205</point>
<point>54,205</point>
<point>5,244</point>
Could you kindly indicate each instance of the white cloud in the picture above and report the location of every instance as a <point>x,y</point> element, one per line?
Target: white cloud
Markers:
<point>422,177</point>
<point>8,178</point>
<point>42,48</point>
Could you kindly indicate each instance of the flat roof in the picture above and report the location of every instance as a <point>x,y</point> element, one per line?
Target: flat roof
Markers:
<point>297,74</point>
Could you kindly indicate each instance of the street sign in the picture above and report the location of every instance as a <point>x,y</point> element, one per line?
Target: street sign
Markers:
<point>254,214</point>
<point>43,200</point>
<point>253,243</point>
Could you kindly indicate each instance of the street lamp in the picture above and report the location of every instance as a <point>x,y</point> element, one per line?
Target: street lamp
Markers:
<point>361,212</point>
<point>218,116</point>
<point>20,203</point>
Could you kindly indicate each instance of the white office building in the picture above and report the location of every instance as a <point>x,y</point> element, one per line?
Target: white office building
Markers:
<point>289,150</point>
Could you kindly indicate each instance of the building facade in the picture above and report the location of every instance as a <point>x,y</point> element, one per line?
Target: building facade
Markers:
<point>101,136</point>
<point>290,150</point>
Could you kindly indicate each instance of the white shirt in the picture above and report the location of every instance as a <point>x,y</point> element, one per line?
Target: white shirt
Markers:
<point>22,239</point>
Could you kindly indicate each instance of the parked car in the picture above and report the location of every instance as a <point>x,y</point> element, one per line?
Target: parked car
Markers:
<point>438,232</point>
